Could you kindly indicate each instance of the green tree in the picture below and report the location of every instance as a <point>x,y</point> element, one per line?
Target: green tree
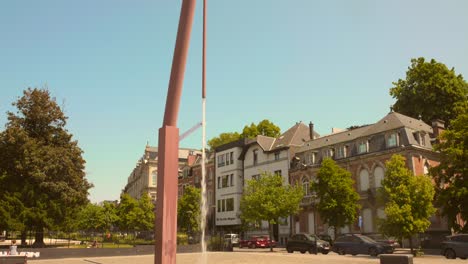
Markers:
<point>268,199</point>
<point>110,215</point>
<point>188,210</point>
<point>42,166</point>
<point>264,128</point>
<point>408,201</point>
<point>222,139</point>
<point>92,218</point>
<point>128,213</point>
<point>431,91</point>
<point>146,213</point>
<point>451,176</point>
<point>338,201</point>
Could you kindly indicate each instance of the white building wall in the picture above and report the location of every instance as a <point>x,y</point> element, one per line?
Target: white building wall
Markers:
<point>266,162</point>
<point>231,191</point>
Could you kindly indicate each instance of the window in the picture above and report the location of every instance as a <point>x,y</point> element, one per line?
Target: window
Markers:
<point>278,172</point>
<point>363,147</point>
<point>219,205</point>
<point>314,157</point>
<point>219,182</point>
<point>231,180</point>
<point>426,168</point>
<point>331,153</point>
<point>306,186</point>
<point>223,205</point>
<point>230,204</point>
<point>225,181</point>
<point>210,174</point>
<point>232,157</point>
<point>341,152</point>
<point>220,160</point>
<point>154,178</point>
<point>364,180</point>
<point>392,140</point>
<point>277,155</point>
<point>255,157</point>
<point>227,159</point>
<point>378,176</point>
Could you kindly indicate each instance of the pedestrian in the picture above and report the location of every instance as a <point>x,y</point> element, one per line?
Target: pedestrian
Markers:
<point>13,248</point>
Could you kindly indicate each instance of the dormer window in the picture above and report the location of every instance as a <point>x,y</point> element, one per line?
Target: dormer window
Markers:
<point>363,147</point>
<point>392,140</point>
<point>341,152</point>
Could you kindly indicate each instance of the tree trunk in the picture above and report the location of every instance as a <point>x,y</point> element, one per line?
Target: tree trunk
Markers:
<point>270,231</point>
<point>335,233</point>
<point>23,238</point>
<point>39,238</point>
<point>410,238</point>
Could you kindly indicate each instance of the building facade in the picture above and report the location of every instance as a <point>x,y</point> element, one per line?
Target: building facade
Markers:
<point>229,182</point>
<point>144,177</point>
<point>273,155</point>
<point>363,151</point>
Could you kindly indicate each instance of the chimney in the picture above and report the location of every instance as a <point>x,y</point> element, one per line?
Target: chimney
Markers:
<point>438,126</point>
<point>311,131</point>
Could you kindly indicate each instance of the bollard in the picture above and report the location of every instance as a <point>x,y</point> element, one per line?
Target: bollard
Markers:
<point>396,259</point>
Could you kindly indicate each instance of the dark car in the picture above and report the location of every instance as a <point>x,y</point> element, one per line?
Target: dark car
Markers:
<point>306,242</point>
<point>388,240</point>
<point>359,244</point>
<point>257,242</point>
<point>326,238</point>
<point>455,246</point>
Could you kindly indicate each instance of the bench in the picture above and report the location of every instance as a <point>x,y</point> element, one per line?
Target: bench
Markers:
<point>13,260</point>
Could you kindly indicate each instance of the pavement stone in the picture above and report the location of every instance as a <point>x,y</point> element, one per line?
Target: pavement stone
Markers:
<point>241,257</point>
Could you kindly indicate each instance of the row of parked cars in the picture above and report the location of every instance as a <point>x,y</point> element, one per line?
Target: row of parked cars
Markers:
<point>354,244</point>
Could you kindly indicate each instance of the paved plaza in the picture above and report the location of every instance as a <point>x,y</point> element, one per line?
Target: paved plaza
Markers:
<point>241,257</point>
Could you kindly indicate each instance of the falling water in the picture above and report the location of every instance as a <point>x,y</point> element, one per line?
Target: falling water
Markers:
<point>204,206</point>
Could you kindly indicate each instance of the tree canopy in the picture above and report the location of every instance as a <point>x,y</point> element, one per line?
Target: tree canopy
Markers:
<point>408,201</point>
<point>268,199</point>
<point>264,127</point>
<point>451,176</point>
<point>222,139</point>
<point>338,201</point>
<point>41,167</point>
<point>188,210</point>
<point>431,91</point>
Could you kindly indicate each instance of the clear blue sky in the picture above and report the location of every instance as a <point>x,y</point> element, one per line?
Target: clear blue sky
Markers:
<point>108,62</point>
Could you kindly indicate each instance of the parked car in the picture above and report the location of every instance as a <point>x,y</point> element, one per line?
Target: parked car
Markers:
<point>455,246</point>
<point>233,238</point>
<point>326,238</point>
<point>306,242</point>
<point>359,244</point>
<point>388,240</point>
<point>257,242</point>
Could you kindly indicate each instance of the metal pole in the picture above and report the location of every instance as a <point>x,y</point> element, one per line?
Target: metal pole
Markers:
<point>168,146</point>
<point>178,63</point>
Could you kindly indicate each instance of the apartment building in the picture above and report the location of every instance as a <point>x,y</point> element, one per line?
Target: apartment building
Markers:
<point>363,151</point>
<point>229,182</point>
<point>143,179</point>
<point>273,155</point>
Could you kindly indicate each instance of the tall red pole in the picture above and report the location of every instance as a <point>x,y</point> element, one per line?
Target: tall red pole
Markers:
<point>168,146</point>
